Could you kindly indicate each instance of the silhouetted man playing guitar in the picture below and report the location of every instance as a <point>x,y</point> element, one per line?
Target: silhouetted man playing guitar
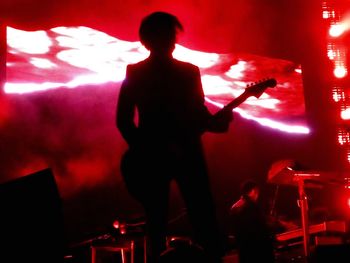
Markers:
<point>165,143</point>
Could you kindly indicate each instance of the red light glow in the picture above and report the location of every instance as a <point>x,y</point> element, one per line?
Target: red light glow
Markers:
<point>70,57</point>
<point>340,71</point>
<point>337,30</point>
<point>116,224</point>
<point>345,114</point>
<point>340,25</point>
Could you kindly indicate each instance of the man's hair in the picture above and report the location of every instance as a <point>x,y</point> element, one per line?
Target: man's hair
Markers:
<point>159,25</point>
<point>247,186</point>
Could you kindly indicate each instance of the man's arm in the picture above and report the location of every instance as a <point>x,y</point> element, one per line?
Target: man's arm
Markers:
<point>213,123</point>
<point>126,110</point>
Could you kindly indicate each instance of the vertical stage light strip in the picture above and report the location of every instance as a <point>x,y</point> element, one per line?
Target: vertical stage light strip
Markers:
<point>3,51</point>
<point>332,12</point>
<point>336,48</point>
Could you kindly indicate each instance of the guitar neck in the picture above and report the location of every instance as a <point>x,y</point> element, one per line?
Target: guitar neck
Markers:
<point>237,101</point>
<point>234,103</point>
<point>252,90</point>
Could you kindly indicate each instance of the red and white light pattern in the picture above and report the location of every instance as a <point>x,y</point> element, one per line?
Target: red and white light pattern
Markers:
<point>69,57</point>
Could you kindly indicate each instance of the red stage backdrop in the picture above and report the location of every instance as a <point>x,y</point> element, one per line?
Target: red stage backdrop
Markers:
<point>65,63</point>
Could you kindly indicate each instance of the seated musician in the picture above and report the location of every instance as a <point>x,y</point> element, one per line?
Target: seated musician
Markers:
<point>253,234</point>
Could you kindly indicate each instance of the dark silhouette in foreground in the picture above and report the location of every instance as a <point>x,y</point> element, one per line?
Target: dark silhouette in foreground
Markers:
<point>165,142</point>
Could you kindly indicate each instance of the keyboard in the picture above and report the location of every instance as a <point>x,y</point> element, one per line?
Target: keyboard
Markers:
<point>324,227</point>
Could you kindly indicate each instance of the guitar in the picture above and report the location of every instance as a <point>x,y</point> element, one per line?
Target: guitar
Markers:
<point>255,89</point>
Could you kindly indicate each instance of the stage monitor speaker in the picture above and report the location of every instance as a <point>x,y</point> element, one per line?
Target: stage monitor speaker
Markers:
<point>31,219</point>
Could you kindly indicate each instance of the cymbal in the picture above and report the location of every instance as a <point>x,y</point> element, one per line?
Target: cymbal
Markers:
<point>282,172</point>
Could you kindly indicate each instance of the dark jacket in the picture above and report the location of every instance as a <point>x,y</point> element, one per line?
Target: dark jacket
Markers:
<point>252,233</point>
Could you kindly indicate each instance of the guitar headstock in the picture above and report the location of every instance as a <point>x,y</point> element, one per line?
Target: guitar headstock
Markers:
<point>256,89</point>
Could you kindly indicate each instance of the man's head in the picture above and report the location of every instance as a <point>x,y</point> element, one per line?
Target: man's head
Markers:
<point>158,32</point>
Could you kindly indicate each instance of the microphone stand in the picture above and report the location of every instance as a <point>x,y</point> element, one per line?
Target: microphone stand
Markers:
<point>304,209</point>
